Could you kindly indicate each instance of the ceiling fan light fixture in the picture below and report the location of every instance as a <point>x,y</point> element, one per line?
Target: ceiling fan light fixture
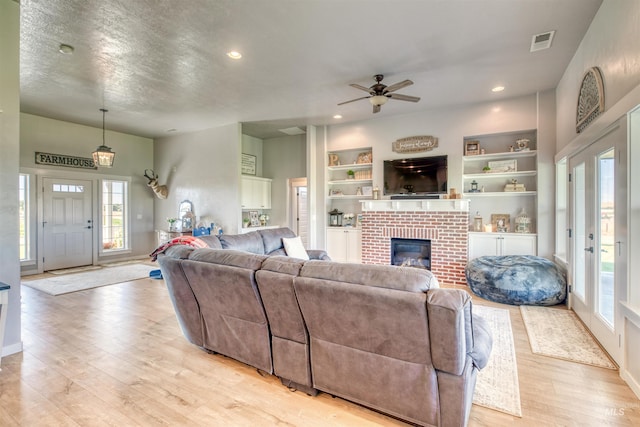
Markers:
<point>103,156</point>
<point>378,100</point>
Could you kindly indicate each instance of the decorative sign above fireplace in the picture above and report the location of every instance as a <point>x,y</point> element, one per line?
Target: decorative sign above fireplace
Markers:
<point>414,144</point>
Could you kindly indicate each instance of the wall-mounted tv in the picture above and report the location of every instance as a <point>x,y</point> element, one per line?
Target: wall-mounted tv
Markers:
<point>419,176</point>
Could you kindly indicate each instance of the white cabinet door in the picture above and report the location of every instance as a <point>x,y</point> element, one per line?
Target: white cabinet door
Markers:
<point>483,245</point>
<point>492,244</point>
<point>344,245</point>
<point>255,193</point>
<point>354,247</point>
<point>519,244</point>
<point>337,244</point>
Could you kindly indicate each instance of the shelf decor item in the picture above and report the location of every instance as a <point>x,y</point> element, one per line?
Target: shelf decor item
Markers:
<point>334,159</point>
<point>514,186</point>
<point>498,166</point>
<point>522,222</point>
<point>335,218</point>
<point>477,222</point>
<point>474,187</point>
<point>364,158</point>
<point>522,144</point>
<point>472,148</point>
<point>254,218</point>
<point>501,223</point>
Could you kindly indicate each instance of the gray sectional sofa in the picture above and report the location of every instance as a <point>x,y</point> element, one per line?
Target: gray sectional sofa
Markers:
<point>383,336</point>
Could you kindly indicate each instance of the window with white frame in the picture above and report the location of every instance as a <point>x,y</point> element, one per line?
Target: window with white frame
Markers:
<point>23,214</point>
<point>115,227</point>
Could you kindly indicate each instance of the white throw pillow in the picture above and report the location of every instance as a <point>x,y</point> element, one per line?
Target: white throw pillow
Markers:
<point>294,248</point>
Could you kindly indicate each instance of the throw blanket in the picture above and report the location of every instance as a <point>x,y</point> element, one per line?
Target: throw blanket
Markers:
<point>182,240</point>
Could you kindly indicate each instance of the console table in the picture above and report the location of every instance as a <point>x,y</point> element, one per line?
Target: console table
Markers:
<point>164,235</point>
<point>4,303</point>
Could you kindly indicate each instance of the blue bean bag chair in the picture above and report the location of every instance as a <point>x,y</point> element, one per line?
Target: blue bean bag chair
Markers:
<point>517,280</point>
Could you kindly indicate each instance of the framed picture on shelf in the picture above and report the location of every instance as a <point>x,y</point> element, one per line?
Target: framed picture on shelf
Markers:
<point>501,223</point>
<point>254,219</point>
<point>471,148</point>
<point>503,166</point>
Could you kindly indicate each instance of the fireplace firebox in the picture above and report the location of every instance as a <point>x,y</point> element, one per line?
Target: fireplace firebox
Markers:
<point>411,253</point>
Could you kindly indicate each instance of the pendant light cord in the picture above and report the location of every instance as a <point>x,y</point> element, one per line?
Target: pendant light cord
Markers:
<point>103,131</point>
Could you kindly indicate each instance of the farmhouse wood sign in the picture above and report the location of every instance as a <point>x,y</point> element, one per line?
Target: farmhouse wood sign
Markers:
<point>414,144</point>
<point>64,160</point>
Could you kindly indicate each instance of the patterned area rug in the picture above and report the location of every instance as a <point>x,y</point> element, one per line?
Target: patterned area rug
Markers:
<point>64,284</point>
<point>559,333</point>
<point>497,386</point>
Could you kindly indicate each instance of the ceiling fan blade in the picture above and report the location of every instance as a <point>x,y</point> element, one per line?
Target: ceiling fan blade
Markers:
<point>353,100</point>
<point>403,97</point>
<point>398,85</point>
<point>357,86</point>
<point>376,109</point>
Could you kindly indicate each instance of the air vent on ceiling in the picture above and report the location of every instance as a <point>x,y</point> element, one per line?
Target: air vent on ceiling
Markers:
<point>541,41</point>
<point>293,131</point>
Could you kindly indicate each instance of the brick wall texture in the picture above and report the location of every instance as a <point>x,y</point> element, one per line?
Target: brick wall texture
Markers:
<point>446,230</point>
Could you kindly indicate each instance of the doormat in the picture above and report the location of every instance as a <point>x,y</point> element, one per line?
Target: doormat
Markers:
<point>497,385</point>
<point>64,284</point>
<point>559,333</point>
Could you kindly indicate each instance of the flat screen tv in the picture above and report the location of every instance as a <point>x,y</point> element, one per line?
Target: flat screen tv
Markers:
<point>419,176</point>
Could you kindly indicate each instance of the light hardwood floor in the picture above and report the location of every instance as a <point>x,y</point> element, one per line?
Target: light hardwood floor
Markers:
<point>116,356</point>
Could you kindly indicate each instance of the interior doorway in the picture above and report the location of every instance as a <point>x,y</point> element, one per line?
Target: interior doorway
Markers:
<point>67,223</point>
<point>598,265</point>
<point>299,209</point>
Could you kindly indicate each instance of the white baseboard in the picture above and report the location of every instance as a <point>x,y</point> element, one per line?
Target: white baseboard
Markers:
<point>631,382</point>
<point>11,349</point>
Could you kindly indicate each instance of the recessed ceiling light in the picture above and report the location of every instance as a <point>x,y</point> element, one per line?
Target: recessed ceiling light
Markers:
<point>66,49</point>
<point>497,89</point>
<point>234,54</point>
<point>337,116</point>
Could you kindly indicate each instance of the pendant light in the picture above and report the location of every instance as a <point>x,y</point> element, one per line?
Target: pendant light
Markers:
<point>103,156</point>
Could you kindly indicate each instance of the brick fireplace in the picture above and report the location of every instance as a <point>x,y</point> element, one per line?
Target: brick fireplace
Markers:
<point>444,222</point>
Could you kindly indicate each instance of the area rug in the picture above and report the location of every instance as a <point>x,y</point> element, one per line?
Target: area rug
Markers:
<point>67,283</point>
<point>559,333</point>
<point>75,270</point>
<point>497,386</point>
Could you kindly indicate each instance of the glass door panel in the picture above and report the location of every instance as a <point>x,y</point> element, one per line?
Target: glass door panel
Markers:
<point>580,230</point>
<point>606,241</point>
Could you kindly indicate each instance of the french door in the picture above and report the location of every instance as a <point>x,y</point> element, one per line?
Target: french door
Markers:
<point>598,224</point>
<point>298,209</point>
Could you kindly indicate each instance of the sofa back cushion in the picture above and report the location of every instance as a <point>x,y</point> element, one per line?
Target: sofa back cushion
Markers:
<point>272,239</point>
<point>248,242</point>
<point>228,257</point>
<point>381,276</point>
<point>212,241</point>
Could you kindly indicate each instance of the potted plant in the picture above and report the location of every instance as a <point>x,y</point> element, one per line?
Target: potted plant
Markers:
<point>351,174</point>
<point>172,222</point>
<point>245,222</point>
<point>486,169</point>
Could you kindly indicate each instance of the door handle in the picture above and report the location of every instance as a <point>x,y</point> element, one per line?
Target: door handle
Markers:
<point>88,226</point>
<point>589,249</point>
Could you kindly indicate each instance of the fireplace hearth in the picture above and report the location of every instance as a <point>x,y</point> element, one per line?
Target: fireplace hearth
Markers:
<point>411,253</point>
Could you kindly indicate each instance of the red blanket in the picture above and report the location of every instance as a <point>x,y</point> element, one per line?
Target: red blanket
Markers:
<point>182,240</point>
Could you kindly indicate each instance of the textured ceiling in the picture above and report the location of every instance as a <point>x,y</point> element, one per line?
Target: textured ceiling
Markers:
<point>161,64</point>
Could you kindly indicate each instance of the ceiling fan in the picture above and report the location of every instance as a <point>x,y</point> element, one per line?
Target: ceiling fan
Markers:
<point>379,93</point>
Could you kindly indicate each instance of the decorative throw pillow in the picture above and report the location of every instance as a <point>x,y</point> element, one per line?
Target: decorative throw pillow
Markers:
<point>294,248</point>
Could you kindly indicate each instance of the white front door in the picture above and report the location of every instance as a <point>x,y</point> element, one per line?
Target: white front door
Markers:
<point>67,226</point>
<point>598,260</point>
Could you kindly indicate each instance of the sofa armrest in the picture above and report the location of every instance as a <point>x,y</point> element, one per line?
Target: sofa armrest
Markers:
<point>450,328</point>
<point>318,254</point>
<point>482,342</point>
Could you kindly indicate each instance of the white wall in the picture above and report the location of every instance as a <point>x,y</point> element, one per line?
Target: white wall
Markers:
<point>611,43</point>
<point>450,126</point>
<point>207,172</point>
<point>134,154</point>
<point>9,146</point>
<point>254,146</point>
<point>284,158</point>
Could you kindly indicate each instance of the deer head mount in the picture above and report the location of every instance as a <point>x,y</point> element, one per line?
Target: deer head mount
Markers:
<point>160,190</point>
